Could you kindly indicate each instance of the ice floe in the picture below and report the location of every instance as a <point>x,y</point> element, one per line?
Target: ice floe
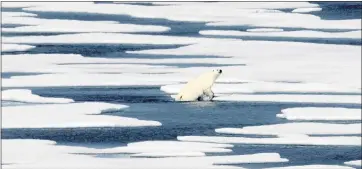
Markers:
<point>315,166</point>
<point>5,47</point>
<point>292,98</point>
<point>306,10</point>
<point>320,113</point>
<point>282,61</point>
<point>163,149</point>
<point>354,163</point>
<point>303,128</point>
<point>70,115</point>
<point>283,139</point>
<point>108,71</point>
<point>58,25</point>
<point>102,38</point>
<point>15,14</point>
<point>260,15</point>
<point>25,95</point>
<point>255,86</point>
<point>264,30</point>
<point>44,154</point>
<point>291,34</point>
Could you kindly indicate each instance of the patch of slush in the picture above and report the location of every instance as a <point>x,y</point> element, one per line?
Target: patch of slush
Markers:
<point>306,10</point>
<point>64,116</point>
<point>300,128</point>
<point>283,140</point>
<point>294,34</point>
<point>354,163</point>
<point>318,113</point>
<point>315,166</point>
<point>72,26</point>
<point>50,154</point>
<point>6,47</point>
<point>24,95</point>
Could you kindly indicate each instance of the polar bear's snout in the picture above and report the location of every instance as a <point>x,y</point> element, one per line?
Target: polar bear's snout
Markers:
<point>217,71</point>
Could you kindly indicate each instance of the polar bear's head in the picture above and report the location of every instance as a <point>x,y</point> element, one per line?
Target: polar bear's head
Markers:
<point>216,73</point>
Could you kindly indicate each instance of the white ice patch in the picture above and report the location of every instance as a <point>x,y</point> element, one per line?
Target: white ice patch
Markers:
<point>306,10</point>
<point>281,61</point>
<point>15,14</point>
<point>264,30</point>
<point>319,113</point>
<point>58,25</point>
<point>44,154</point>
<point>293,98</point>
<point>103,38</point>
<point>284,140</point>
<point>25,95</point>
<point>67,116</point>
<point>253,87</point>
<point>163,149</point>
<point>5,47</point>
<point>304,128</point>
<point>258,14</point>
<point>76,70</point>
<point>245,5</point>
<point>290,34</point>
<point>313,167</point>
<point>354,163</point>
<point>56,63</point>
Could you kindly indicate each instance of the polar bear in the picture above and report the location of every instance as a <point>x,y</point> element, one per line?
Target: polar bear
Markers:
<point>200,87</point>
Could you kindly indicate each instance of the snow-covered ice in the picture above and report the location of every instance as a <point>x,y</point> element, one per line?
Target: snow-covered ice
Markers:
<point>256,86</point>
<point>283,139</point>
<point>313,167</point>
<point>25,95</point>
<point>320,113</point>
<point>291,34</point>
<point>281,61</point>
<point>84,114</point>
<point>306,10</point>
<point>163,149</point>
<point>28,153</point>
<point>102,38</point>
<point>256,71</point>
<point>6,47</point>
<point>264,30</point>
<point>293,98</point>
<point>56,25</point>
<point>304,128</point>
<point>354,163</point>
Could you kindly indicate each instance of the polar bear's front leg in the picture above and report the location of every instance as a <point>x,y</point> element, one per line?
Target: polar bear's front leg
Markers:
<point>208,92</point>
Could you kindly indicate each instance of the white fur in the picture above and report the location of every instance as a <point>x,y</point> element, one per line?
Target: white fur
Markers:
<point>200,87</point>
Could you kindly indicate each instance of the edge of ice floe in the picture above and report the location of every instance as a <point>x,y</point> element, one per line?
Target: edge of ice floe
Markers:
<point>25,95</point>
<point>354,163</point>
<point>318,113</point>
<point>7,47</point>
